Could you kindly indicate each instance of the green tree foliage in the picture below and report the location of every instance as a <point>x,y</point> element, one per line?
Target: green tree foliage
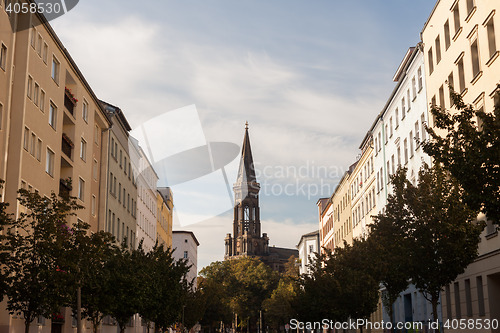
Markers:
<point>238,287</point>
<point>470,152</point>
<point>341,285</point>
<point>167,289</point>
<point>127,286</point>
<point>390,246</point>
<point>435,227</point>
<point>38,278</point>
<point>279,307</point>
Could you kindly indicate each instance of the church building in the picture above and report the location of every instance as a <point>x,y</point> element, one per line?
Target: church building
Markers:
<point>247,239</point>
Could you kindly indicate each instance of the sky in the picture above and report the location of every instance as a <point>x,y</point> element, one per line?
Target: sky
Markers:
<point>309,76</point>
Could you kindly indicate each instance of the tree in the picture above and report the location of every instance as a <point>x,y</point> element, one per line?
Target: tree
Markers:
<point>127,284</point>
<point>279,307</point>
<point>341,285</point>
<point>167,289</point>
<point>38,282</point>
<point>435,227</point>
<point>470,150</point>
<point>6,219</point>
<point>390,246</point>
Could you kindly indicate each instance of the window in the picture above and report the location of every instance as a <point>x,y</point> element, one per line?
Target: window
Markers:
<point>380,141</point>
<point>381,179</point>
<point>405,147</point>
<point>451,87</point>
<point>81,189</point>
<point>475,58</point>
<point>121,158</point>
<point>490,29</point>
<point>399,156</point>
<point>393,165</point>
<point>470,6</point>
<point>49,165</point>
<point>433,101</point>
<point>125,164</point>
<point>417,133</point>
<point>41,105</point>
<point>408,100</point>
<point>390,125</point>
<point>403,108</point>
<point>39,45</point>
<point>55,69</point>
<point>45,52</point>
<point>36,94</point>
<point>397,117</point>
<point>468,298</point>
<point>26,138</point>
<point>32,144</point>
<point>376,146</point>
<point>414,87</point>
<point>456,18</point>
<point>120,192</point>
<point>52,115</point>
<point>441,96</point>
<point>437,44</point>
<point>3,56</point>
<point>386,134</point>
<point>420,79</point>
<point>185,254</point>
<point>96,135</point>
<point>94,169</point>
<point>411,144</point>
<point>112,147</point>
<point>33,36</point>
<point>429,58</point>
<point>39,150</point>
<point>447,34</point>
<point>422,122</point>
<point>30,87</point>
<point>83,149</point>
<point>85,111</point>
<point>110,182</point>
<point>461,75</point>
<point>93,204</point>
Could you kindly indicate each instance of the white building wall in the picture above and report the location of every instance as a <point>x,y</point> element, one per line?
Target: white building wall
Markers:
<point>185,246</point>
<point>308,248</point>
<point>395,137</point>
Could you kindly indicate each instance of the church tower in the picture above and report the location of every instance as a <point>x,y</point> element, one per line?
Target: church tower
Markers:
<point>246,239</point>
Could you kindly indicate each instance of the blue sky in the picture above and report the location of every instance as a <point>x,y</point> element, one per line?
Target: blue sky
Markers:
<point>309,76</point>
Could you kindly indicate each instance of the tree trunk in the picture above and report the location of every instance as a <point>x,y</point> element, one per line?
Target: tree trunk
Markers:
<point>27,323</point>
<point>391,317</point>
<point>434,302</point>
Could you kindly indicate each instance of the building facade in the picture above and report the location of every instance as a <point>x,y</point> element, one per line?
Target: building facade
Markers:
<point>164,221</point>
<point>185,246</point>
<point>121,188</point>
<point>309,247</point>
<point>462,47</point>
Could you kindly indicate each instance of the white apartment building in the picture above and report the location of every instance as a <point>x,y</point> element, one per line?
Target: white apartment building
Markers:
<point>185,246</point>
<point>400,127</point>
<point>146,180</point>
<point>462,48</point>
<point>308,247</point>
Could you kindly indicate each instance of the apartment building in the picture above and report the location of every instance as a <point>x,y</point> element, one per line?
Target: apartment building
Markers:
<point>185,246</point>
<point>309,247</point>
<point>326,233</point>
<point>362,190</point>
<point>146,180</point>
<point>461,46</point>
<point>53,130</point>
<point>120,184</point>
<point>164,221</point>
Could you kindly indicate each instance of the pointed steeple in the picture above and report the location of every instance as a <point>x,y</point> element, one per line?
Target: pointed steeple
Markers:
<point>246,171</point>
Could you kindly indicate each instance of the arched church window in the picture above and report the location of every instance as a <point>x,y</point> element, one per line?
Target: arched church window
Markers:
<point>246,218</point>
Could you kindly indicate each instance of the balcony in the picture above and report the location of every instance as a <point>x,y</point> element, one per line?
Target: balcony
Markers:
<point>67,146</point>
<point>65,188</point>
<point>69,101</point>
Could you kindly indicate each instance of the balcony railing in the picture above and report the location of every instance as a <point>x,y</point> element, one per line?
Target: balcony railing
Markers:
<point>64,189</point>
<point>69,103</point>
<point>67,147</point>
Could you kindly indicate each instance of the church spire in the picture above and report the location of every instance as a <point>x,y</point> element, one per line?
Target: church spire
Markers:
<point>246,171</point>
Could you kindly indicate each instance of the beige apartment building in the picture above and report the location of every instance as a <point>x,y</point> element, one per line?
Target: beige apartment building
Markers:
<point>53,130</point>
<point>461,45</point>
<point>121,188</point>
<point>362,190</point>
<point>164,217</point>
